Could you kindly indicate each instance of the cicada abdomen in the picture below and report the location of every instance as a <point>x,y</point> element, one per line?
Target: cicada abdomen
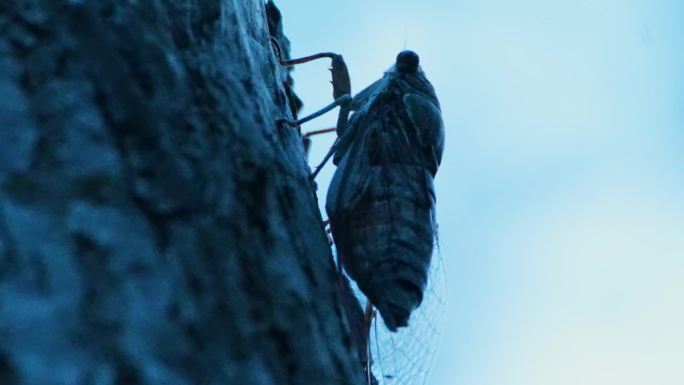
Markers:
<point>381,200</point>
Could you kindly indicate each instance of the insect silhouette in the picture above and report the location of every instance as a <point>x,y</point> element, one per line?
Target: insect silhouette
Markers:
<point>381,201</point>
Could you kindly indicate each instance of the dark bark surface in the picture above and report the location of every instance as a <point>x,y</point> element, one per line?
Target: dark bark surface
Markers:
<point>156,225</point>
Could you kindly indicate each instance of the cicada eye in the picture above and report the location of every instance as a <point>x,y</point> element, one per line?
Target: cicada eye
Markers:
<point>407,61</point>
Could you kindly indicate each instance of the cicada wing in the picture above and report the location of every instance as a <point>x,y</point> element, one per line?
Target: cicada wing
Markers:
<point>362,99</point>
<point>353,130</point>
<point>400,233</point>
<point>405,357</point>
<point>351,177</point>
<point>427,119</point>
<point>381,207</point>
<point>383,223</point>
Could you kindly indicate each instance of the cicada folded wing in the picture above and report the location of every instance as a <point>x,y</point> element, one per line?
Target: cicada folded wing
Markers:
<point>385,240</point>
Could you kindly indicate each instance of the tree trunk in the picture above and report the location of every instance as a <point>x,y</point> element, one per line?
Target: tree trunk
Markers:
<point>157,226</point>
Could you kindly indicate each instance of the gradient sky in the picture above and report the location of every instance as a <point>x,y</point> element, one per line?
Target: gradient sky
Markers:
<point>561,193</point>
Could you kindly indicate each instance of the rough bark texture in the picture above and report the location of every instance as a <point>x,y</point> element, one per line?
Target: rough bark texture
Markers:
<point>156,225</point>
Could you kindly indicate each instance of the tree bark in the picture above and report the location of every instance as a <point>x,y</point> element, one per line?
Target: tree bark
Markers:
<point>157,226</point>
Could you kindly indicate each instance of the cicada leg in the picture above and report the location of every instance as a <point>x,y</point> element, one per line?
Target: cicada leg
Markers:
<point>341,93</point>
<point>369,315</point>
<point>307,137</point>
<point>328,233</point>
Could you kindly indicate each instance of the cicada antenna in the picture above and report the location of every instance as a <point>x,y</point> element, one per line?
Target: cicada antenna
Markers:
<point>405,34</point>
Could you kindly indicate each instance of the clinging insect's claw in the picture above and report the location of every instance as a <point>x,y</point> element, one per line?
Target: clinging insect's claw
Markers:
<point>281,122</point>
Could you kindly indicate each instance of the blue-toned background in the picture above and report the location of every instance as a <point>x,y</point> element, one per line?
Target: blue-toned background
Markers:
<point>561,193</point>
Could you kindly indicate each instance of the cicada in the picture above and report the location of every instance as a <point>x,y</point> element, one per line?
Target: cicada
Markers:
<point>381,201</point>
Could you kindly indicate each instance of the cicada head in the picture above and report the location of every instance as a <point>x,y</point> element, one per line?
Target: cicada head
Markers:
<point>407,62</point>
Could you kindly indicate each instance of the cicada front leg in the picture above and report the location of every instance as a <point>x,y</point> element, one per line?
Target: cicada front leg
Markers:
<point>341,93</point>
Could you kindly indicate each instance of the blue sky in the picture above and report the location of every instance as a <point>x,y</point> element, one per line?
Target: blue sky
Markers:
<point>561,193</point>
